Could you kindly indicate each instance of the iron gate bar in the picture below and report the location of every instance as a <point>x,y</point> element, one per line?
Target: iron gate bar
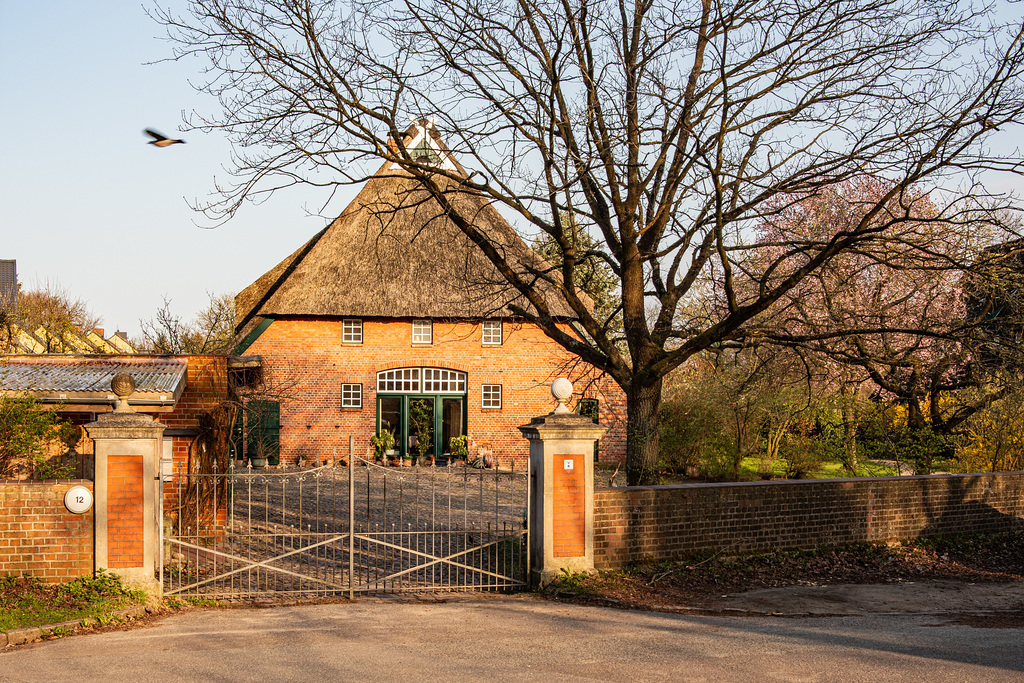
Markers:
<point>446,560</point>
<point>252,565</point>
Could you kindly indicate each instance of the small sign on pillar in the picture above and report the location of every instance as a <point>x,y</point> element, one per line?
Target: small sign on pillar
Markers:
<point>562,490</point>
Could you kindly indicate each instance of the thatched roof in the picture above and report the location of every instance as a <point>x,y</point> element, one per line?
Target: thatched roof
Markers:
<point>393,253</point>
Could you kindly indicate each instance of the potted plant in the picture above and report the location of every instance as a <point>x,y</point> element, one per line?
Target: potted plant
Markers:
<point>421,422</point>
<point>459,447</point>
<point>383,444</point>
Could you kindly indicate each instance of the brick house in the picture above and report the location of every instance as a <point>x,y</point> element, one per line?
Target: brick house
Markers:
<point>390,319</point>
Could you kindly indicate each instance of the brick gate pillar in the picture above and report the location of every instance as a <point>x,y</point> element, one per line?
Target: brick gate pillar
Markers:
<point>561,489</point>
<point>128,446</point>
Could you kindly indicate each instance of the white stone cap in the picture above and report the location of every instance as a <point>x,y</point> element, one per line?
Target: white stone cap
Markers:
<point>561,389</point>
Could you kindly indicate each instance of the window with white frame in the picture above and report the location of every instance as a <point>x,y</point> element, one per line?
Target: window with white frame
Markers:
<point>402,380</point>
<point>492,333</point>
<point>352,331</point>
<point>351,395</point>
<point>422,332</point>
<point>440,381</point>
<point>434,381</point>
<point>491,397</point>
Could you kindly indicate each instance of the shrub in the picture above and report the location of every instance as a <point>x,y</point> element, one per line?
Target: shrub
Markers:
<point>995,437</point>
<point>802,455</point>
<point>27,432</point>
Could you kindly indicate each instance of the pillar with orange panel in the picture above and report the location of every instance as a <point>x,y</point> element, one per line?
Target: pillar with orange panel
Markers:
<point>561,489</point>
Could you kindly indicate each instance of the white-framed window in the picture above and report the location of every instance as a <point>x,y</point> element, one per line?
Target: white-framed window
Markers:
<point>490,397</point>
<point>492,333</point>
<point>422,332</point>
<point>351,395</point>
<point>440,381</point>
<point>434,381</point>
<point>352,331</point>
<point>402,380</point>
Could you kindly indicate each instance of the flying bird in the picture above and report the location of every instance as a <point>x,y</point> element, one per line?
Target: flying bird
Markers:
<point>160,140</point>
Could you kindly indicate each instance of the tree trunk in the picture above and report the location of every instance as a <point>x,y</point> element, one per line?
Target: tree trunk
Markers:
<point>643,407</point>
<point>849,412</point>
<point>915,416</point>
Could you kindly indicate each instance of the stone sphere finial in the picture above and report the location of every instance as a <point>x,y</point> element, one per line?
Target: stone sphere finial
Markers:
<point>123,385</point>
<point>561,389</point>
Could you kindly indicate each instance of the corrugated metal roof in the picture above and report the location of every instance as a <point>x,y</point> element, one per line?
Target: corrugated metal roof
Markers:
<point>42,373</point>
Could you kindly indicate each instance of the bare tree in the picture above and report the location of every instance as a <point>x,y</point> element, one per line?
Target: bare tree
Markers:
<point>663,128</point>
<point>54,310</point>
<point>212,332</point>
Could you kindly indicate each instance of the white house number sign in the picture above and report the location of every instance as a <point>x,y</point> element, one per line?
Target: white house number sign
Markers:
<point>78,500</point>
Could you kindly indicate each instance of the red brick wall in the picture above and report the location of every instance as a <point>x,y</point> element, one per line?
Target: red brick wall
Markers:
<point>664,522</point>
<point>39,537</point>
<point>125,507</point>
<point>309,358</point>
<point>206,388</point>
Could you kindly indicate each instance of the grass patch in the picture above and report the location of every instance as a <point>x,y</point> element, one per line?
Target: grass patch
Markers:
<point>26,601</point>
<point>750,469</point>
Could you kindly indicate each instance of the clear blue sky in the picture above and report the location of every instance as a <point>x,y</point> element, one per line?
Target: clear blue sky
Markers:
<point>85,201</point>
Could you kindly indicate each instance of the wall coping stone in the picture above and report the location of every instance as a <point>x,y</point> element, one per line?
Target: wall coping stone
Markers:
<point>797,482</point>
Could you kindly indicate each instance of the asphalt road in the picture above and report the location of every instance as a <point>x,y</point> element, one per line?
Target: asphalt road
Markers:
<point>523,638</point>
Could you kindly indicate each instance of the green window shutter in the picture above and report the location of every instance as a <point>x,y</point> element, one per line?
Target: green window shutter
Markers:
<point>265,431</point>
<point>590,407</point>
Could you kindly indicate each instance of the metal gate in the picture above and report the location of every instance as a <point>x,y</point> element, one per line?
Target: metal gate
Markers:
<point>341,530</point>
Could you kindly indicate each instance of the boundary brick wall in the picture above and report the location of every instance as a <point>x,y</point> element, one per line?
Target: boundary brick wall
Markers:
<point>309,357</point>
<point>658,523</point>
<point>39,537</point>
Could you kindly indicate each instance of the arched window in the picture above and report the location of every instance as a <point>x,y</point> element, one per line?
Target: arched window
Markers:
<point>421,381</point>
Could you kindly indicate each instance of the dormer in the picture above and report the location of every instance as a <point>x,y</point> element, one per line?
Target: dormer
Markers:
<point>424,145</point>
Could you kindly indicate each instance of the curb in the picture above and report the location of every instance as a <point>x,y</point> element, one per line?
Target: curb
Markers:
<point>27,635</point>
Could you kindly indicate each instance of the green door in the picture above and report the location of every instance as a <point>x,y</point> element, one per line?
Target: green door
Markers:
<point>236,443</point>
<point>422,426</point>
<point>264,418</point>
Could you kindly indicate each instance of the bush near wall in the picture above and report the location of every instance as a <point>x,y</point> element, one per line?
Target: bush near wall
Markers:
<point>658,523</point>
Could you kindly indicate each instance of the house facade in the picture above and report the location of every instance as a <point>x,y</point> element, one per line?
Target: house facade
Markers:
<point>391,320</point>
